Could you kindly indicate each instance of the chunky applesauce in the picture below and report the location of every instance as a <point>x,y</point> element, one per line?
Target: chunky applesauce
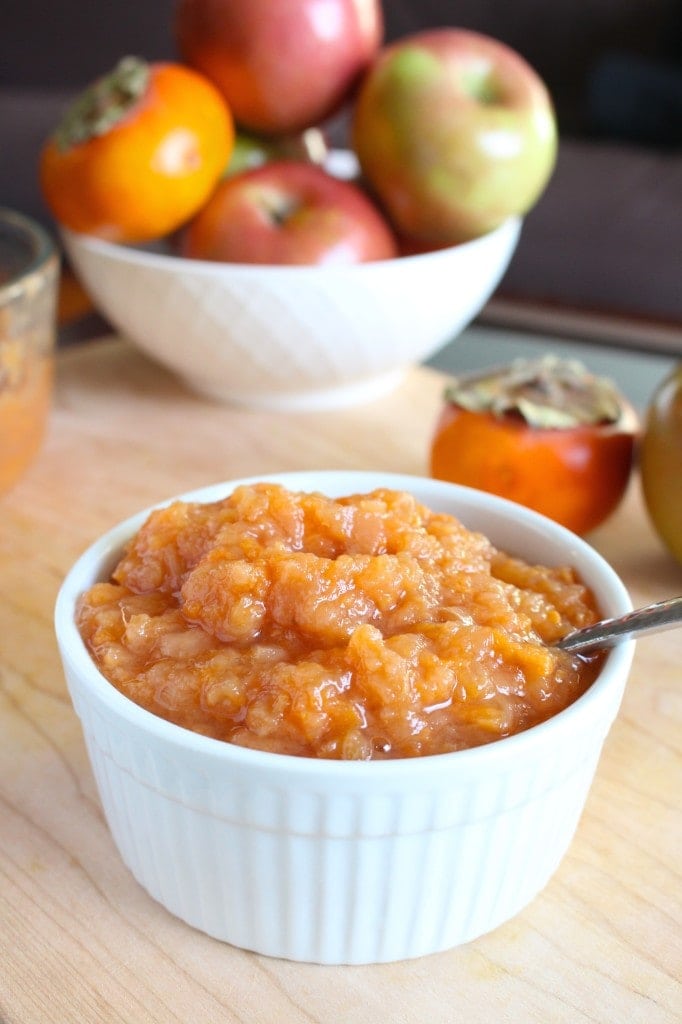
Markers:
<point>360,627</point>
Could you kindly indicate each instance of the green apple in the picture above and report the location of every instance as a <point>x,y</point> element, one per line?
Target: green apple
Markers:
<point>251,151</point>
<point>454,132</point>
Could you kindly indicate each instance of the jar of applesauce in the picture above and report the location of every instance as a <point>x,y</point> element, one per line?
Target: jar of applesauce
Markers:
<point>29,272</point>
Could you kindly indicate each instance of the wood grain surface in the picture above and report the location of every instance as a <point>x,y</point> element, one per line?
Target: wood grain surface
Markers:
<point>80,941</point>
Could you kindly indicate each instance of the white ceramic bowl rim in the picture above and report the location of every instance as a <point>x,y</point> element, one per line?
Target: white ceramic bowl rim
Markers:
<point>149,256</point>
<point>104,553</point>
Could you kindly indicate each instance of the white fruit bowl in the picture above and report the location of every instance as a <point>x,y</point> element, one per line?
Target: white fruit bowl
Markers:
<point>346,862</point>
<point>291,337</point>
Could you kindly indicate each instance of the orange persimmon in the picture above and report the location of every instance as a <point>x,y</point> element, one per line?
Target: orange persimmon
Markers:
<point>547,435</point>
<point>137,153</point>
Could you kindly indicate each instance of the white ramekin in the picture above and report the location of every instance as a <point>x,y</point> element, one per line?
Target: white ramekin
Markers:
<point>337,862</point>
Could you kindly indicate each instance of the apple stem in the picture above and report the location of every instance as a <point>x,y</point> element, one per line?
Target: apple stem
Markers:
<point>481,85</point>
<point>279,208</point>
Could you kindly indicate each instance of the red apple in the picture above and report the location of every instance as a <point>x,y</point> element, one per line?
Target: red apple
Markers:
<point>282,65</point>
<point>288,213</point>
<point>454,132</point>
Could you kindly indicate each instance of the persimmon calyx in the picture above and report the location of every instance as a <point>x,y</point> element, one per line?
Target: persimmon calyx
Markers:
<point>103,104</point>
<point>546,393</point>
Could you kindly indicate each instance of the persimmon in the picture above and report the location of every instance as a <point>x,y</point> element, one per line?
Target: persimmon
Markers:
<point>137,153</point>
<point>545,433</point>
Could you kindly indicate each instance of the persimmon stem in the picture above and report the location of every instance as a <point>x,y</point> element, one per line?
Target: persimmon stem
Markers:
<point>103,104</point>
<point>547,392</point>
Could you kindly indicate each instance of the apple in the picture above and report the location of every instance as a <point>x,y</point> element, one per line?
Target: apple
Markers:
<point>288,212</point>
<point>454,132</point>
<point>660,461</point>
<point>282,66</point>
<point>251,151</point>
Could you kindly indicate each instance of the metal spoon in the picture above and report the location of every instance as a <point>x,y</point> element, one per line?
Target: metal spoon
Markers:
<point>653,618</point>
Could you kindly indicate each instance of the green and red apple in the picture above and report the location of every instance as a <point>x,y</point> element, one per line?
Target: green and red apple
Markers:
<point>288,213</point>
<point>660,461</point>
<point>455,132</point>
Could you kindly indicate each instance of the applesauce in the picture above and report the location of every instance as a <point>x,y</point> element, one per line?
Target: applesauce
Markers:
<point>361,627</point>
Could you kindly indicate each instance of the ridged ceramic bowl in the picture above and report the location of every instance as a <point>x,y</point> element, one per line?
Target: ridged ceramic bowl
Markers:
<point>291,337</point>
<point>346,862</point>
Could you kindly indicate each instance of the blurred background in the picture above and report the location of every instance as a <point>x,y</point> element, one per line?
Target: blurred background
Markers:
<point>600,253</point>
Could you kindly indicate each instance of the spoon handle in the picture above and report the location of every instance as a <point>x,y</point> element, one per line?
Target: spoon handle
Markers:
<point>653,618</point>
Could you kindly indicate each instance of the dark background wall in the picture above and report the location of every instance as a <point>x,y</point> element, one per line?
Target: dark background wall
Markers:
<point>63,44</point>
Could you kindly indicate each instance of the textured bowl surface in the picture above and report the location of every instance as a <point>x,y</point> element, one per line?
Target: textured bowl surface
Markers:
<point>346,862</point>
<point>291,337</point>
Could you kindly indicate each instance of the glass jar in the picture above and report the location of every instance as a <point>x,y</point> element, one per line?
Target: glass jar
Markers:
<point>29,274</point>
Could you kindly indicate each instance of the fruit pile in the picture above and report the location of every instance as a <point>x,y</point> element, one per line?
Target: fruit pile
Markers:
<point>453,133</point>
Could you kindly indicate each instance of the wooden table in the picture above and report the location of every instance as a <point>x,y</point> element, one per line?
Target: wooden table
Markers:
<point>79,939</point>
